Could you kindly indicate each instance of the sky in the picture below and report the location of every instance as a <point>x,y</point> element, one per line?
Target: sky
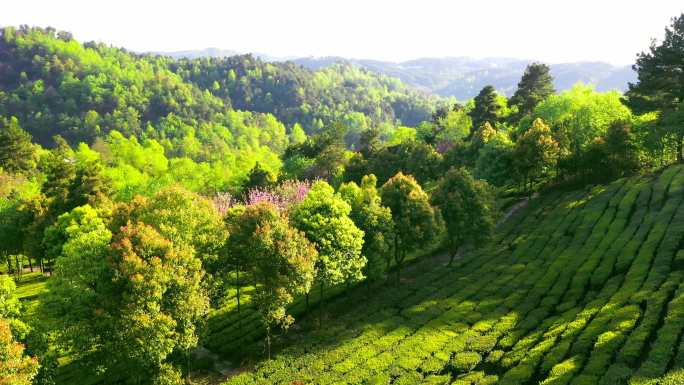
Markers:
<point>550,31</point>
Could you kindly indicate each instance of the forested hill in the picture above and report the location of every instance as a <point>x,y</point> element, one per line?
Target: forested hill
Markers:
<point>55,85</point>
<point>313,98</point>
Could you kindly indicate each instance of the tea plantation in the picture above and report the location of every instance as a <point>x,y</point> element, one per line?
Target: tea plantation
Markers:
<point>579,288</point>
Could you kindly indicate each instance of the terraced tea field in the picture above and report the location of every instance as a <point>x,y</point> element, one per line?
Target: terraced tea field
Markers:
<point>579,288</point>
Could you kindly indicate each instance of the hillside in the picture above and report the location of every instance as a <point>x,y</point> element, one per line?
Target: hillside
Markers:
<point>312,98</point>
<point>55,84</point>
<point>581,287</point>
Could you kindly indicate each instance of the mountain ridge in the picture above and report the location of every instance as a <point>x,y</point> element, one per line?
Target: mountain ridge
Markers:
<point>461,77</point>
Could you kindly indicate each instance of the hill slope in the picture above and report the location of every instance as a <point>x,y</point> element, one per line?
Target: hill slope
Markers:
<point>583,287</point>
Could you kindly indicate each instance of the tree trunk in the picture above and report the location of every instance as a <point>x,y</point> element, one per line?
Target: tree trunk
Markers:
<point>30,264</point>
<point>452,256</point>
<point>268,342</point>
<point>320,307</point>
<point>237,284</point>
<point>680,148</point>
<point>397,257</point>
<point>187,367</point>
<point>9,263</point>
<point>306,299</point>
<point>18,265</point>
<point>400,262</point>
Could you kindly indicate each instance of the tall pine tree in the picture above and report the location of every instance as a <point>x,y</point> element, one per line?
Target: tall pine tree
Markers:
<point>535,85</point>
<point>487,108</point>
<point>660,85</point>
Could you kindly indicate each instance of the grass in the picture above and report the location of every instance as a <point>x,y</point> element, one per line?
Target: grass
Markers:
<point>29,288</point>
<point>583,287</point>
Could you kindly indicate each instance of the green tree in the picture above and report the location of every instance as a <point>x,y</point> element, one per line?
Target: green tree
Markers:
<point>15,221</point>
<point>577,116</point>
<point>622,149</point>
<point>614,155</point>
<point>412,157</point>
<point>60,172</point>
<point>487,108</point>
<point>324,217</point>
<point>494,161</point>
<point>258,177</point>
<point>183,217</point>
<point>69,226</point>
<point>17,153</point>
<point>660,85</point>
<point>131,305</point>
<point>282,259</point>
<point>416,224</point>
<point>536,153</point>
<point>467,207</point>
<point>535,85</point>
<point>10,306</point>
<point>297,134</point>
<point>90,185</point>
<point>375,220</point>
<point>447,125</point>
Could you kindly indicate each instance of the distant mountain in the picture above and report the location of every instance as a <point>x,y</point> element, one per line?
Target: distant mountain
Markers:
<point>460,77</point>
<point>464,77</point>
<point>193,54</point>
<point>218,53</point>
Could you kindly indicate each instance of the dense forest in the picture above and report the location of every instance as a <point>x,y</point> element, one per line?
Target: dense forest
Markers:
<point>181,221</point>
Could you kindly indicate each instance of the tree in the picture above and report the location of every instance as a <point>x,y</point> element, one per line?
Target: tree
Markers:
<point>90,186</point>
<point>494,161</point>
<point>60,172</point>
<point>448,125</point>
<point>535,85</point>
<point>622,149</point>
<point>467,207</point>
<point>577,116</point>
<point>15,220</point>
<point>69,226</point>
<point>281,258</point>
<point>660,85</point>
<point>487,108</point>
<point>10,306</point>
<point>15,367</point>
<point>536,152</point>
<point>375,220</point>
<point>412,157</point>
<point>258,178</point>
<point>17,153</point>
<point>130,305</point>
<point>614,155</point>
<point>416,223</point>
<point>324,217</point>
<point>183,217</point>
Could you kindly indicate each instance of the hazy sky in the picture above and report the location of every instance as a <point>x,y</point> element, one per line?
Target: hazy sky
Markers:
<point>552,31</point>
